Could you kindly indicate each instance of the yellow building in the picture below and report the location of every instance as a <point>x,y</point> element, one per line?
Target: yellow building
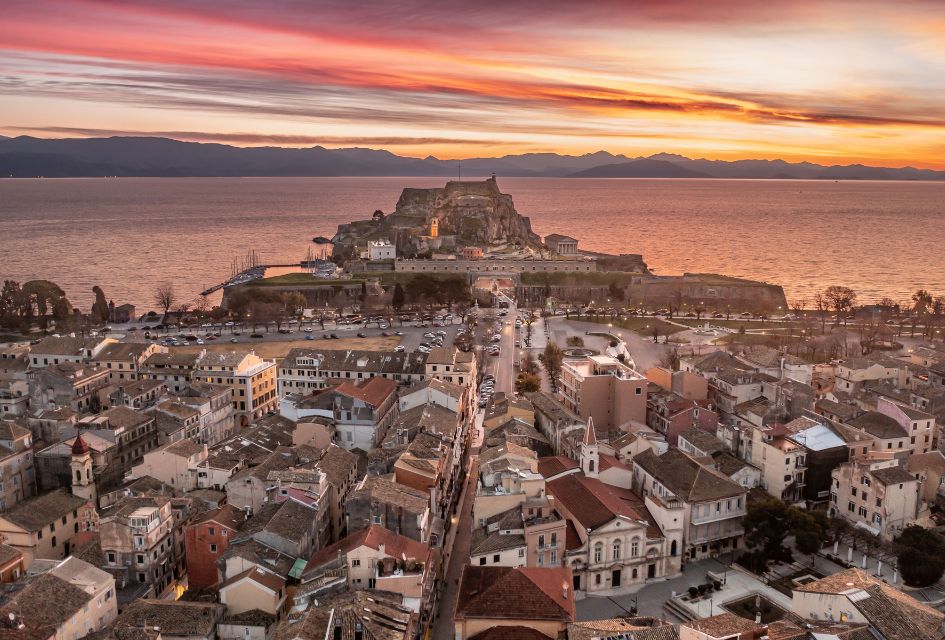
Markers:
<point>252,378</point>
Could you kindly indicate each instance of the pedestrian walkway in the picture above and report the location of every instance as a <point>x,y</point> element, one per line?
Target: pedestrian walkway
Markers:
<point>650,599</point>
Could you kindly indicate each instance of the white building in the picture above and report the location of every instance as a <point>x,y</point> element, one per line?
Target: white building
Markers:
<point>381,250</point>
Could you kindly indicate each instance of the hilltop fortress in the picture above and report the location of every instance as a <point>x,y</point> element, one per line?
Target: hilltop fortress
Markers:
<point>473,229</point>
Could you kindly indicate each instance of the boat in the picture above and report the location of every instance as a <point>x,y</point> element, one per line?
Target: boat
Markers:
<point>321,240</point>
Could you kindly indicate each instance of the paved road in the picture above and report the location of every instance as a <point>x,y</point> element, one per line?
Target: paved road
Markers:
<point>459,550</point>
<point>645,352</point>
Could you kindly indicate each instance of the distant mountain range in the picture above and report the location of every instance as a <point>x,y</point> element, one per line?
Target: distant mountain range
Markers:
<point>27,157</point>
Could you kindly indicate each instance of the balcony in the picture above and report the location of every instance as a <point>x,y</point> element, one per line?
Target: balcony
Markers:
<point>713,516</point>
<point>722,535</point>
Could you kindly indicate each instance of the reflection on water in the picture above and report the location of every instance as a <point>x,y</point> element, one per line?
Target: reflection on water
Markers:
<point>129,234</point>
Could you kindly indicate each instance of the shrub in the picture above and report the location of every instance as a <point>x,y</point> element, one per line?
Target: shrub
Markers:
<point>693,592</point>
<point>717,585</point>
<point>701,589</point>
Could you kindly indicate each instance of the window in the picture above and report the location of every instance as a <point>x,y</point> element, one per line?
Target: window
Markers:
<point>554,557</point>
<point>598,552</point>
<point>213,548</point>
<point>853,492</point>
<point>879,502</point>
<point>596,578</point>
<point>54,542</point>
<point>140,558</point>
<point>634,548</point>
<point>521,553</point>
<point>616,553</point>
<point>495,558</point>
<point>482,560</point>
<point>356,562</point>
<point>211,531</point>
<point>111,557</point>
<point>541,541</point>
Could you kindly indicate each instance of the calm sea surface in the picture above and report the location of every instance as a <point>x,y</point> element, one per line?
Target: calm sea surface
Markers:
<point>130,234</point>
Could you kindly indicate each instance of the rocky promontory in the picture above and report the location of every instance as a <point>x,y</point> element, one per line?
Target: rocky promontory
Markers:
<point>458,215</point>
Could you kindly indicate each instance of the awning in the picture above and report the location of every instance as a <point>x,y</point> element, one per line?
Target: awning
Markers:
<point>297,568</point>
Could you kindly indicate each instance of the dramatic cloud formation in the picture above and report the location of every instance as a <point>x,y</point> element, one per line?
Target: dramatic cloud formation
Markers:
<point>845,81</point>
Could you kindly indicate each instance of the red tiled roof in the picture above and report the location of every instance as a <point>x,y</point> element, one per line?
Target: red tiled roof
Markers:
<point>372,391</point>
<point>606,462</point>
<point>269,580</point>
<point>590,435</point>
<point>571,538</point>
<point>553,465</point>
<point>593,503</point>
<point>524,593</point>
<point>373,536</point>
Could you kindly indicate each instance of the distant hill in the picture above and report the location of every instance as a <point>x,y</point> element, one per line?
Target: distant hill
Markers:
<point>644,168</point>
<point>27,157</point>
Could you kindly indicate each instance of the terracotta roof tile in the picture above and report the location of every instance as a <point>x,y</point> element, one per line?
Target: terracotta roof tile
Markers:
<point>525,593</point>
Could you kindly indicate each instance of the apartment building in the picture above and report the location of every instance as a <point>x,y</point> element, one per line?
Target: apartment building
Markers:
<point>605,389</point>
<point>122,360</point>
<point>713,504</point>
<point>205,541</point>
<point>253,380</point>
<point>44,526</point>
<point>71,385</point>
<point>58,349</point>
<point>879,496</point>
<point>17,470</point>
<point>137,536</point>
<point>303,371</point>
<point>361,411</point>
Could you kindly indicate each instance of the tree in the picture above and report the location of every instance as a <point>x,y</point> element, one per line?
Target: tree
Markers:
<point>529,365</point>
<point>769,522</point>
<point>921,300</point>
<point>397,300</point>
<point>202,304</point>
<point>552,358</point>
<point>615,291</point>
<point>823,307</point>
<point>841,299</point>
<point>527,383</point>
<point>164,296</point>
<point>100,306</point>
<point>921,555</point>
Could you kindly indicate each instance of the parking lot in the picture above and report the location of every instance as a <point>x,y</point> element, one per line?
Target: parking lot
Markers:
<point>335,335</point>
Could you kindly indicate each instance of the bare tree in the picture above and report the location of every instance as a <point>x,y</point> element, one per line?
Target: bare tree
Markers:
<point>164,296</point>
<point>823,307</point>
<point>842,299</point>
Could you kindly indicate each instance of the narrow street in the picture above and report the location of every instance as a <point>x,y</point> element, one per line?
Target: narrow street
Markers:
<point>459,550</point>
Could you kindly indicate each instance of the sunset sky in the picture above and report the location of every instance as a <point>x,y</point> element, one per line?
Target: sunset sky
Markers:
<point>829,82</point>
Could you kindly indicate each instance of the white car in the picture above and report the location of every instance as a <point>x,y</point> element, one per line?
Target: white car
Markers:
<point>383,326</point>
<point>399,348</point>
<point>308,329</point>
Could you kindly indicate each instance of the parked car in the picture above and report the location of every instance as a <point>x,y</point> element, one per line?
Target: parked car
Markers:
<point>257,336</point>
